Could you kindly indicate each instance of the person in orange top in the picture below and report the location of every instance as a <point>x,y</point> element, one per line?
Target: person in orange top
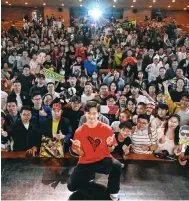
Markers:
<point>81,51</point>
<point>130,59</point>
<point>93,142</point>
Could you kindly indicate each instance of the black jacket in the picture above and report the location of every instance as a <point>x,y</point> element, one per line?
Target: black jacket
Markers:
<point>25,139</point>
<point>24,97</point>
<point>64,126</point>
<point>43,90</point>
<point>26,82</point>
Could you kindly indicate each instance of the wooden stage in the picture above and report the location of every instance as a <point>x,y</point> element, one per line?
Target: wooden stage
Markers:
<point>144,177</point>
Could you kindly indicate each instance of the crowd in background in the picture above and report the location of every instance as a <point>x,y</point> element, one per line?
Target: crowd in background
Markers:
<point>138,76</point>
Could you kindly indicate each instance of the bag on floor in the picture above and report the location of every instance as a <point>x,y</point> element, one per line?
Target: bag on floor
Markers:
<point>51,148</point>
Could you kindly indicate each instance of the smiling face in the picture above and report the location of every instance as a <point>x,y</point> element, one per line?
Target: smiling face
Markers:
<point>184,133</point>
<point>92,116</point>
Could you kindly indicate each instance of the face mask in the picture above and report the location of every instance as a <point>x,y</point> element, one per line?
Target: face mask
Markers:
<point>94,76</point>
<point>122,105</point>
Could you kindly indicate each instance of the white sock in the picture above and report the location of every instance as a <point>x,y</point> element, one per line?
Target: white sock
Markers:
<point>114,197</point>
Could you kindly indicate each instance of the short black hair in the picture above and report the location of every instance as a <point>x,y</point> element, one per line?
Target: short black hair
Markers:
<point>144,116</point>
<point>125,124</point>
<point>136,85</point>
<point>50,83</point>
<point>132,100</point>
<point>36,93</point>
<point>88,55</point>
<point>17,81</point>
<point>12,101</point>
<point>26,66</point>
<point>25,107</point>
<point>142,103</point>
<point>185,95</point>
<point>42,51</point>
<point>163,106</point>
<point>72,75</point>
<point>103,84</point>
<point>91,104</point>
<point>83,75</point>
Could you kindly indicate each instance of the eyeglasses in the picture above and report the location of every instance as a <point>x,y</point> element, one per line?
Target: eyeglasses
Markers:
<point>184,134</point>
<point>37,99</point>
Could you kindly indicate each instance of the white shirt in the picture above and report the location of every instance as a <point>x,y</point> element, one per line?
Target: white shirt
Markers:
<point>19,101</point>
<point>26,126</point>
<point>141,98</point>
<point>85,98</point>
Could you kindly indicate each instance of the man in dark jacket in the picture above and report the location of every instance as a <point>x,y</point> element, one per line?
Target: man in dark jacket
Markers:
<point>184,63</point>
<point>40,112</point>
<point>21,97</point>
<point>26,136</point>
<point>40,86</point>
<point>73,111</point>
<point>57,127</point>
<point>26,79</point>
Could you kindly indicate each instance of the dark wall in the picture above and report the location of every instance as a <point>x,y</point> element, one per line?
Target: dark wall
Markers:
<point>16,13</point>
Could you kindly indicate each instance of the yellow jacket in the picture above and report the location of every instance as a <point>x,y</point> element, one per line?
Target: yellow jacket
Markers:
<point>174,107</point>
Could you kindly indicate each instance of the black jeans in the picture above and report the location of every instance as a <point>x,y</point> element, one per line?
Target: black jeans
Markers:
<point>81,176</point>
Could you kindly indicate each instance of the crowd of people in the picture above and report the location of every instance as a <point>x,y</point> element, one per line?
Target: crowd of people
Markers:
<point>138,77</point>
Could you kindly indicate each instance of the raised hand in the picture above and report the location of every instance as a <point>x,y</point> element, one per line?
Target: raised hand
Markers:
<point>126,149</point>
<point>42,113</point>
<point>110,140</point>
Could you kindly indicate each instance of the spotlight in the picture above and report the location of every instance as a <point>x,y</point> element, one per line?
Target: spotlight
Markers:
<point>96,13</point>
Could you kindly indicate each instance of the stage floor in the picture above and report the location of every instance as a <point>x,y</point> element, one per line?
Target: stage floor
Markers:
<point>34,179</point>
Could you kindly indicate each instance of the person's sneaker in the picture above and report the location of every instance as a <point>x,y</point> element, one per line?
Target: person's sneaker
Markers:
<point>114,197</point>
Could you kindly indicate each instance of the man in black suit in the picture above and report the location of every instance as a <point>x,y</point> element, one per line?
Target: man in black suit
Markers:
<point>21,97</point>
<point>148,59</point>
<point>184,63</point>
<point>171,72</point>
<point>25,135</point>
<point>57,127</point>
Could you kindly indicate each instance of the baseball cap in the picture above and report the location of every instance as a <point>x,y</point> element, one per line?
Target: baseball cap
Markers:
<point>57,106</point>
<point>75,99</point>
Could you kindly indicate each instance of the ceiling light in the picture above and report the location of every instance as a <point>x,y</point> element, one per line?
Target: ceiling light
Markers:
<point>188,6</point>
<point>44,4</point>
<point>154,1</point>
<point>80,0</point>
<point>115,0</point>
<point>132,6</point>
<point>26,3</point>
<point>184,8</point>
<point>114,6</point>
<point>134,1</point>
<point>150,6</point>
<point>6,2</point>
<point>9,4</point>
<point>173,1</point>
<point>81,5</point>
<point>62,4</point>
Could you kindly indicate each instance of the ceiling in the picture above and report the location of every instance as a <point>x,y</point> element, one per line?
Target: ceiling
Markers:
<point>158,4</point>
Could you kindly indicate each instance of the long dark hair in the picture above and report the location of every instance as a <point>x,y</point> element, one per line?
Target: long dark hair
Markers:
<point>176,134</point>
<point>128,73</point>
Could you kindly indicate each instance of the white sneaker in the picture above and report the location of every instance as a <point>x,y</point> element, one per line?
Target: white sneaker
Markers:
<point>114,197</point>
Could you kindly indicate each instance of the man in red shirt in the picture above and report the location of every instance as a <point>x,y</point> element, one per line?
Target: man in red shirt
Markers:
<point>93,142</point>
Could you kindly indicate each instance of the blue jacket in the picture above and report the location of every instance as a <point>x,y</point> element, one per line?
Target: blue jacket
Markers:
<point>37,119</point>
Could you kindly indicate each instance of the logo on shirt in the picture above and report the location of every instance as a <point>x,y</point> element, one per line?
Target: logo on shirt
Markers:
<point>95,143</point>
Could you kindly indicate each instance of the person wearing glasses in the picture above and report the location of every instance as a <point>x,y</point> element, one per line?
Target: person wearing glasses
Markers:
<point>25,135</point>
<point>40,112</point>
<point>143,141</point>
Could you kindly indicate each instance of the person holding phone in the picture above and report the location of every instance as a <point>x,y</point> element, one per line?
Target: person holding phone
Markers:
<point>93,142</point>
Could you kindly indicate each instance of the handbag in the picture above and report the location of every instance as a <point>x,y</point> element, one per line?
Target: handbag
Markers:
<point>51,148</point>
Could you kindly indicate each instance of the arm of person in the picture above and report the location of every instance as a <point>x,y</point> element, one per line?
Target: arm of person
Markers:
<point>168,99</point>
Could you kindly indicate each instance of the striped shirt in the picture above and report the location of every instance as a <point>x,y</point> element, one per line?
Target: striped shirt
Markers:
<point>140,138</point>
